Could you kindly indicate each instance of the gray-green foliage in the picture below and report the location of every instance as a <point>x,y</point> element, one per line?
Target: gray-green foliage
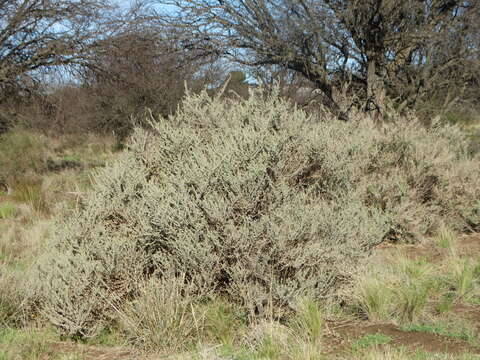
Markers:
<point>253,201</point>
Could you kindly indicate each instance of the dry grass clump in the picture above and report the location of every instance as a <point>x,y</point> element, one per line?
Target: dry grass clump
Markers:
<point>252,201</point>
<point>10,298</point>
<point>21,242</point>
<point>163,316</point>
<point>298,340</point>
<point>32,193</point>
<point>399,290</point>
<point>28,156</point>
<point>408,291</point>
<point>23,153</point>
<point>19,246</point>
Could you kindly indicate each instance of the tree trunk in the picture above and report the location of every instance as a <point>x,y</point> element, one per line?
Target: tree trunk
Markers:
<point>375,89</point>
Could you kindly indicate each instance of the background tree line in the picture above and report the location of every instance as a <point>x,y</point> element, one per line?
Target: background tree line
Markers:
<point>114,62</point>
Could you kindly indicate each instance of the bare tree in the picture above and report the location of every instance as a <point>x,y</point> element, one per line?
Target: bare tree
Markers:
<point>379,48</point>
<point>138,69</point>
<point>39,34</point>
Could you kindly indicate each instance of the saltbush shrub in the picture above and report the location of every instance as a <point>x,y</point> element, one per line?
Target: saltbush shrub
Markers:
<point>254,202</point>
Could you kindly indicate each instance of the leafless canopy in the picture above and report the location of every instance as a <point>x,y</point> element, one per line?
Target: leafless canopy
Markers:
<point>400,49</point>
<point>133,70</point>
<point>38,34</point>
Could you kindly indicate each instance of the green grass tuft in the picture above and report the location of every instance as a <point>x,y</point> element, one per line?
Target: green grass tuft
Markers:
<point>370,340</point>
<point>444,329</point>
<point>446,238</point>
<point>7,210</point>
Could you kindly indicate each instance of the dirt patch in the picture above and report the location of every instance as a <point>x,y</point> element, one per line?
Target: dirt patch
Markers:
<point>468,245</point>
<point>471,313</point>
<point>426,250</point>
<point>410,340</point>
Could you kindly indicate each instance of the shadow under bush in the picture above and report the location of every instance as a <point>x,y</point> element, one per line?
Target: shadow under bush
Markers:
<point>252,201</point>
